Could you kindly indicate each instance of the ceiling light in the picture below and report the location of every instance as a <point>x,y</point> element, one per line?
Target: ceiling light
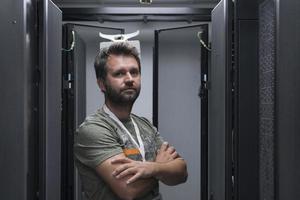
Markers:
<point>145,1</point>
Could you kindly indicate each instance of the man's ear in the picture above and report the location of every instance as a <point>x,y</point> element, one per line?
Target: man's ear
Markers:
<point>101,85</point>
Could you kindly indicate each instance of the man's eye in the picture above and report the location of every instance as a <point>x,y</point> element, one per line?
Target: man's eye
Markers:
<point>118,74</point>
<point>134,73</point>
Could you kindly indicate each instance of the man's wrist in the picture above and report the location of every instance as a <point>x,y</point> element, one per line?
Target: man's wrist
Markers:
<point>156,170</point>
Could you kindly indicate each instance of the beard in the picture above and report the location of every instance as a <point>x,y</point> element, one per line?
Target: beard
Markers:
<point>126,96</point>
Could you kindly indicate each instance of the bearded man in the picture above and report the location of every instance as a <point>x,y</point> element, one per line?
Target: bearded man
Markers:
<point>120,155</point>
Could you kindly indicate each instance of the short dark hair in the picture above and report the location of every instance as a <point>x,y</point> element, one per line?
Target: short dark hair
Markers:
<point>117,48</point>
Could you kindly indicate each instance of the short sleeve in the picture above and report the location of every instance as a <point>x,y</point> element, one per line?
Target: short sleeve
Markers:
<point>158,140</point>
<point>94,143</point>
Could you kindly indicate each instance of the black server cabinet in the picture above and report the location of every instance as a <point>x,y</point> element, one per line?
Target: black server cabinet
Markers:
<point>267,96</point>
<point>279,106</point>
<point>233,102</point>
<point>30,100</point>
<point>253,136</point>
<point>18,98</point>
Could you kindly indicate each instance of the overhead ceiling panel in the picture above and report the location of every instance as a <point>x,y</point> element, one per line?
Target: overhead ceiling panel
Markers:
<point>136,2</point>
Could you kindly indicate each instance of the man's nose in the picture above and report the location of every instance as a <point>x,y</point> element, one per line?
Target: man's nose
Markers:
<point>128,77</point>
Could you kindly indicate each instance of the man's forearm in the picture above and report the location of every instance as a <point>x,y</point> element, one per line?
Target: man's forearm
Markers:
<point>134,190</point>
<point>141,187</point>
<point>171,173</point>
<point>120,184</point>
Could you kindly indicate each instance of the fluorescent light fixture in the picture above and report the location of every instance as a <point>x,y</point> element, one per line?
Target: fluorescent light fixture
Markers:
<point>145,1</point>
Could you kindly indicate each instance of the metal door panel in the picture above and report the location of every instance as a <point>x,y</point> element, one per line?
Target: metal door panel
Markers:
<point>50,101</point>
<point>177,106</point>
<point>220,105</point>
<point>246,155</point>
<point>287,103</point>
<point>80,92</point>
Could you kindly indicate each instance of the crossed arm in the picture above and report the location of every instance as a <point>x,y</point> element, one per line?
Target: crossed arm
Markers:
<point>130,179</point>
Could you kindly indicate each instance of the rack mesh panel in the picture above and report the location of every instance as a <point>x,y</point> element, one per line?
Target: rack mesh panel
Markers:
<point>266,98</point>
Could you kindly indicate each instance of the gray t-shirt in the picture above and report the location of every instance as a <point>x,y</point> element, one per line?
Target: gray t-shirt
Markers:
<point>99,138</point>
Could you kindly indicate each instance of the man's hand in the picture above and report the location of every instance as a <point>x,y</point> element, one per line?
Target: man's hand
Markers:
<point>137,169</point>
<point>166,153</point>
<point>166,165</point>
<point>171,168</point>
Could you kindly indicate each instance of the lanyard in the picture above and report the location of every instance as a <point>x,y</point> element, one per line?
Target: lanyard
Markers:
<point>139,145</point>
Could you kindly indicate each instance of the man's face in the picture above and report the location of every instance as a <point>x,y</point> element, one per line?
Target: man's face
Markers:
<point>123,80</point>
